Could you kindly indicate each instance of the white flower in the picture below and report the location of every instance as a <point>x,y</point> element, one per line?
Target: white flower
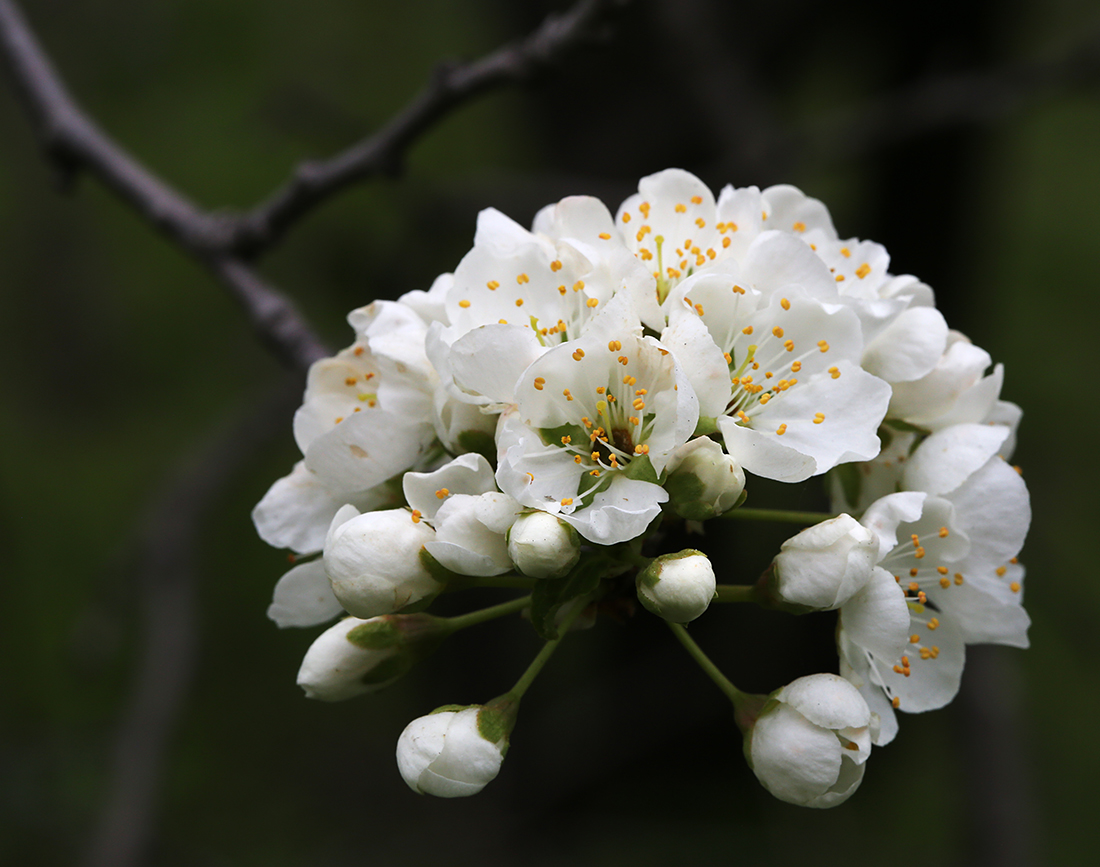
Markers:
<point>470,516</point>
<point>446,755</point>
<point>952,559</point>
<point>678,587</point>
<point>543,546</point>
<point>703,481</point>
<point>826,564</point>
<point>374,560</point>
<point>596,422</point>
<point>810,743</point>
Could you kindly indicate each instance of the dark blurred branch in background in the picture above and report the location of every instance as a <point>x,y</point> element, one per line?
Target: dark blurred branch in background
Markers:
<point>452,85</point>
<point>167,581</point>
<point>222,242</point>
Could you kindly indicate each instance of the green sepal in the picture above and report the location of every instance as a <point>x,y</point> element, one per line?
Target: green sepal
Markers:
<point>479,442</point>
<point>641,469</point>
<point>436,569</point>
<point>376,635</point>
<point>550,595</point>
<point>497,718</point>
<point>705,426</point>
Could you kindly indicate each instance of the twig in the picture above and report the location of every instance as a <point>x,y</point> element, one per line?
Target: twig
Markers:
<point>72,141</point>
<point>167,582</point>
<point>452,84</point>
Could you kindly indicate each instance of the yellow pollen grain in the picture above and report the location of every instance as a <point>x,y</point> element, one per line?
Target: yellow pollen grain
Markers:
<point>700,222</point>
<point>711,252</point>
<point>726,241</point>
<point>614,345</point>
<point>1014,587</point>
<point>644,208</point>
<point>741,415</point>
<point>782,429</point>
<point>799,226</point>
<point>728,357</point>
<point>700,260</point>
<point>592,302</point>
<point>567,394</point>
<point>624,360</point>
<point>764,398</point>
<point>834,372</point>
<point>350,381</point>
<point>699,309</point>
<point>522,278</point>
<point>819,417</point>
<point>443,493</point>
<point>1014,560</point>
<point>1000,570</point>
<point>914,638</point>
<point>845,252</point>
<point>763,215</point>
<point>919,553</point>
<point>796,366</point>
<point>777,331</point>
<point>586,421</point>
<point>788,345</point>
<point>594,473</point>
<point>577,459</point>
<point>959,578</point>
<point>641,391</point>
<point>358,350</point>
<point>823,345</point>
<point>785,304</point>
<point>566,440</point>
<point>913,587</point>
<point>641,449</point>
<point>895,703</point>
<point>568,501</point>
<point>738,289</point>
<point>493,285</point>
<point>626,217</point>
<point>601,389</point>
<point>341,418</point>
<point>463,303</point>
<point>555,265</point>
<point>942,570</point>
<point>502,322</point>
<point>913,572</point>
<point>945,583</point>
<point>747,329</point>
<point>578,286</point>
<point>839,278</point>
<point>578,355</point>
<point>638,404</point>
<point>944,532</point>
<point>539,383</point>
<point>416,516</point>
<point>681,209</point>
<point>634,420</point>
<point>642,232</point>
<point>934,623</point>
<point>863,270</point>
<point>519,302</point>
<point>697,200</point>
<point>630,380</point>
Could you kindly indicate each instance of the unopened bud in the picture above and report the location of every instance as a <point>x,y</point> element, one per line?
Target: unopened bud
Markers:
<point>706,482</point>
<point>825,565</point>
<point>677,587</point>
<point>543,546</point>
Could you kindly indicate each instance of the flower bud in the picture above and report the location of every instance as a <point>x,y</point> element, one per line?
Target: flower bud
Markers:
<point>374,561</point>
<point>706,482</point>
<point>355,656</point>
<point>677,587</point>
<point>543,546</point>
<point>825,565</point>
<point>452,752</point>
<point>810,742</point>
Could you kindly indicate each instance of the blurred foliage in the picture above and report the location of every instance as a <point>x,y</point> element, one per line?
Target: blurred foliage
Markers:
<point>120,356</point>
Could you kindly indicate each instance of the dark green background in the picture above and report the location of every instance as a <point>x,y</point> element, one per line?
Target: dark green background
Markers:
<point>119,357</point>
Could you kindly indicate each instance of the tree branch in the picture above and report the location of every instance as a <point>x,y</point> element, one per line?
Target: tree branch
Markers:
<point>72,141</point>
<point>451,85</point>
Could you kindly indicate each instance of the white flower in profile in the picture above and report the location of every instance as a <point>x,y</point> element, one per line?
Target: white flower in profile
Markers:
<point>825,565</point>
<point>446,754</point>
<point>470,516</point>
<point>811,741</point>
<point>952,559</point>
<point>595,424</point>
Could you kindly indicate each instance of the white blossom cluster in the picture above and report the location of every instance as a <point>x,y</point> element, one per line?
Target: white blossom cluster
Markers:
<point>538,413</point>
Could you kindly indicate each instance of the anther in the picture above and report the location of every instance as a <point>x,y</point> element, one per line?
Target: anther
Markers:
<point>604,236</point>
<point>697,200</point>
<point>416,516</point>
<point>777,331</point>
<point>958,578</point>
<point>845,252</point>
<point>519,302</point>
<point>782,429</point>
<point>522,278</point>
<point>493,284</point>
<point>555,265</point>
<point>799,226</point>
<point>681,209</point>
<point>539,383</point>
<point>614,345</point>
<point>785,304</point>
<point>578,355</point>
<point>578,286</point>
<point>1014,586</point>
<point>443,493</point>
<point>568,501</point>
<point>863,270</point>
<point>747,329</point>
<point>464,303</point>
<point>592,302</point>
<point>834,372</point>
<point>819,417</point>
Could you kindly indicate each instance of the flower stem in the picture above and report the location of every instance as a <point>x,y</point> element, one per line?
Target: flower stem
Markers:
<point>528,677</point>
<point>780,515</point>
<point>732,692</point>
<point>735,593</point>
<point>462,621</point>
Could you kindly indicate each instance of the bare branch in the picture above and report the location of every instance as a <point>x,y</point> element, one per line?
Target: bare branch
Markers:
<point>73,142</point>
<point>452,85</point>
